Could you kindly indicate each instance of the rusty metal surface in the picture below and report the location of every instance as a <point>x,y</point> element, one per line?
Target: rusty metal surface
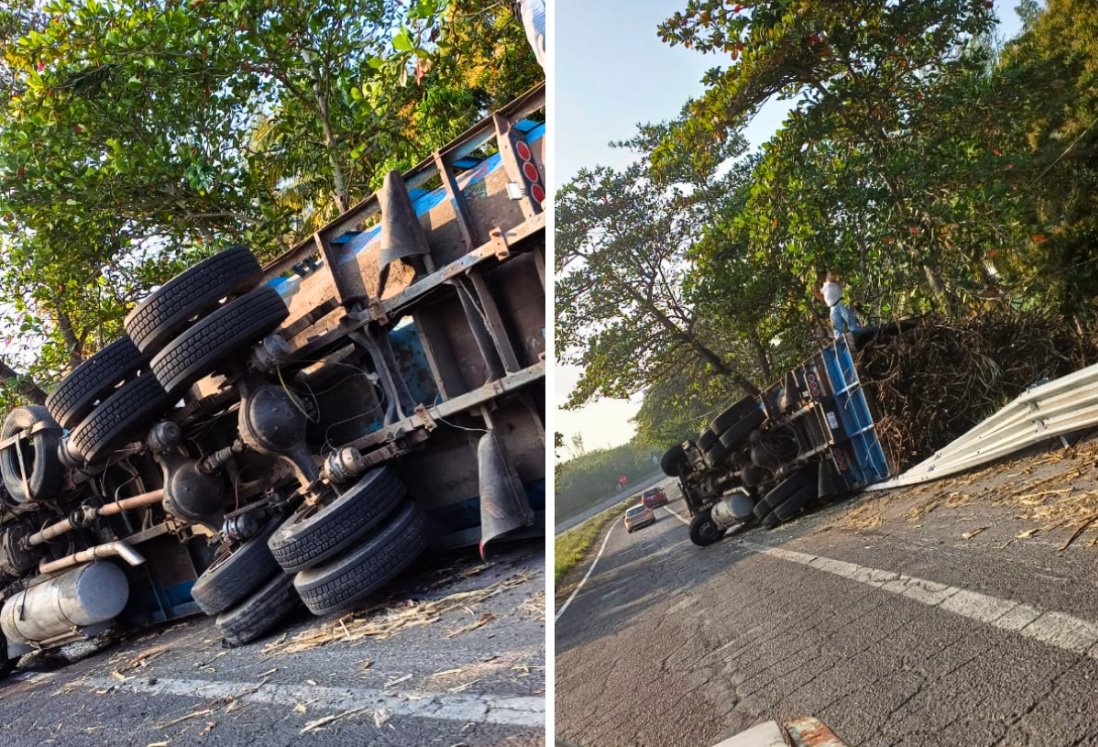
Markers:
<point>471,140</point>
<point>458,404</point>
<point>459,267</point>
<point>809,732</point>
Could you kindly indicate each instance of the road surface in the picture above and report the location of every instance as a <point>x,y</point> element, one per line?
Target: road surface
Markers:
<point>434,680</point>
<point>564,525</point>
<point>935,628</point>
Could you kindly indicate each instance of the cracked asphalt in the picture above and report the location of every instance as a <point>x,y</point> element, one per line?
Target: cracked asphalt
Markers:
<point>435,681</point>
<point>670,644</point>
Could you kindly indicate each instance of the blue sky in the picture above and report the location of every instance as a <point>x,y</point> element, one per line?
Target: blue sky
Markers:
<point>612,71</point>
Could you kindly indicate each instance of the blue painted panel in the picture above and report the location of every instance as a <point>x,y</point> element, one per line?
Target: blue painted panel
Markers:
<point>415,370</point>
<point>466,514</point>
<point>353,243</point>
<point>870,464</point>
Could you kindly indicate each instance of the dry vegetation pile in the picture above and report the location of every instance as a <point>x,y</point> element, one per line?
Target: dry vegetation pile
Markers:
<point>933,381</point>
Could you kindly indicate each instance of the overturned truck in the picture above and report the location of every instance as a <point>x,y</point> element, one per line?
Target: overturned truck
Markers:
<point>764,460</point>
<point>303,432</point>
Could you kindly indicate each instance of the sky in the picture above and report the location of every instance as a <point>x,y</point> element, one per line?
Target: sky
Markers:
<point>613,72</point>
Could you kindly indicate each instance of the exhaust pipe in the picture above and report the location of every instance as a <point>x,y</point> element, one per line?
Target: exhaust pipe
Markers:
<point>109,550</point>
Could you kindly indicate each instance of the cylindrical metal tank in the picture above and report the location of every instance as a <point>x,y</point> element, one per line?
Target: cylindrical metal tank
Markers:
<point>88,595</point>
<point>733,508</point>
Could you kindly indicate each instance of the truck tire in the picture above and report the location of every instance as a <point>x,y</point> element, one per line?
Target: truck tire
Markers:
<point>340,584</point>
<point>716,453</point>
<point>672,461</point>
<point>311,536</point>
<point>45,473</point>
<point>706,439</point>
<point>802,480</point>
<point>736,435</point>
<point>771,521</point>
<point>795,504</point>
<point>704,531</point>
<point>166,311</point>
<point>230,578</point>
<point>119,418</point>
<point>733,415</point>
<point>225,333</point>
<point>762,509</point>
<point>260,611</point>
<point>93,380</point>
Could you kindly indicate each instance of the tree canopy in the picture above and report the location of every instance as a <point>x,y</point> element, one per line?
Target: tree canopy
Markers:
<point>932,167</point>
<point>138,136</point>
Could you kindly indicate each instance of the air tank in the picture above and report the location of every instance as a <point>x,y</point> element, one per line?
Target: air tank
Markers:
<point>78,598</point>
<point>733,508</point>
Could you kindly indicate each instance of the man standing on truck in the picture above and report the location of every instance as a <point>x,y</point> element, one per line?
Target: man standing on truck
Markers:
<point>531,13</point>
<point>830,291</point>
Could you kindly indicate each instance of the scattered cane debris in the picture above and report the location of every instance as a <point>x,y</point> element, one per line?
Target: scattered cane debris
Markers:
<point>326,720</point>
<point>196,714</point>
<point>1079,530</point>
<point>384,619</point>
<point>486,618</point>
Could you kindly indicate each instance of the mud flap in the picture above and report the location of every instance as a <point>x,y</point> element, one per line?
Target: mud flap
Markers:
<point>503,504</point>
<point>827,484</point>
<point>402,235</point>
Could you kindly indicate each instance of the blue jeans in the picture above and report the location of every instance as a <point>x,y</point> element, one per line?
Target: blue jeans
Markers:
<point>843,319</point>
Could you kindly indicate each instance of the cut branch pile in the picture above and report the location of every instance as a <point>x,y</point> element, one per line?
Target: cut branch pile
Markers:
<point>935,381</point>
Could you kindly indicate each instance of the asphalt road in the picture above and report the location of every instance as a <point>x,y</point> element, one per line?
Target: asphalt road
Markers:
<point>434,681</point>
<point>936,629</point>
<point>565,524</point>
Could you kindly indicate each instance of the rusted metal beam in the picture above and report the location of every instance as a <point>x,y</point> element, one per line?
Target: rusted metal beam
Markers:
<point>493,320</point>
<point>398,305</point>
<point>539,263</point>
<point>453,406</point>
<point>394,305</point>
<point>440,356</point>
<point>478,327</point>
<point>457,199</point>
<point>348,289</point>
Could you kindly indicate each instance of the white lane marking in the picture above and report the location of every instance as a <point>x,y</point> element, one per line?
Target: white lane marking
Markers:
<point>492,709</point>
<point>587,575</point>
<point>33,676</point>
<point>677,516</point>
<point>1066,632</point>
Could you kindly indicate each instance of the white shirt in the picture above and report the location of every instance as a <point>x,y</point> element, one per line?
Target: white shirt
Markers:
<point>832,292</point>
<point>533,19</point>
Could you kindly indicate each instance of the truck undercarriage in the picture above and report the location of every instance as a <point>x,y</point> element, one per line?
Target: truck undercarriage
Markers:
<point>302,432</point>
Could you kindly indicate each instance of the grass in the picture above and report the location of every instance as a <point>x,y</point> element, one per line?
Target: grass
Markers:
<point>573,545</point>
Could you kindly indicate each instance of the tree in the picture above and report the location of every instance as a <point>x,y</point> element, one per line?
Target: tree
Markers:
<point>137,137</point>
<point>622,314</point>
<point>859,69</point>
<point>1048,81</point>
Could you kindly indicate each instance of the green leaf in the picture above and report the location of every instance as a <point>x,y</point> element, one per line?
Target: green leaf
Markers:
<point>402,42</point>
